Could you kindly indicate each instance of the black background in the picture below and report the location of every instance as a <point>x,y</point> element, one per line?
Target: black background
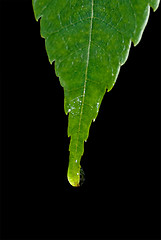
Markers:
<point>120,198</point>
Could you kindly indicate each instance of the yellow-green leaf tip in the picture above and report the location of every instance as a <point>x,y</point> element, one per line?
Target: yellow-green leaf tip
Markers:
<point>74,178</point>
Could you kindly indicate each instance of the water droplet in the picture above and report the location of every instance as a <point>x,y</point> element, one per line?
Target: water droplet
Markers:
<point>76,161</point>
<point>82,176</point>
<point>94,120</point>
<point>69,110</point>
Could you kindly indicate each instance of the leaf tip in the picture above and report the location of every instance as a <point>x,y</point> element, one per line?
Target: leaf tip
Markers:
<point>76,180</point>
<point>73,179</point>
<point>73,183</point>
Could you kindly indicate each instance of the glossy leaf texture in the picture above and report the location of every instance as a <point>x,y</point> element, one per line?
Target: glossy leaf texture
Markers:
<point>88,40</point>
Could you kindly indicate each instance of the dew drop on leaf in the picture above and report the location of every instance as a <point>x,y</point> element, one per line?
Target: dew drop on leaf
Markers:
<point>82,177</point>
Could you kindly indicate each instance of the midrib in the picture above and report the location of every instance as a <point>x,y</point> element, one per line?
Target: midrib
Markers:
<point>86,72</point>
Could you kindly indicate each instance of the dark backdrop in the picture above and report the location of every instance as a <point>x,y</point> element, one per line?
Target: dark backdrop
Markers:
<point>120,198</point>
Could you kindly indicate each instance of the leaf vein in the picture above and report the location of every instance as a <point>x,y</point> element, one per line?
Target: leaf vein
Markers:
<point>86,72</point>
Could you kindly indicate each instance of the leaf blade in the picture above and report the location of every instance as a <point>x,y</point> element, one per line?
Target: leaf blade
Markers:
<point>89,41</point>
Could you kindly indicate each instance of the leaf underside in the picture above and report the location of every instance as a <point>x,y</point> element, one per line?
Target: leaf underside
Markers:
<point>88,40</point>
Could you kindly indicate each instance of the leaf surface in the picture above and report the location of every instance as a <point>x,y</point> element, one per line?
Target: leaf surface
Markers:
<point>88,40</point>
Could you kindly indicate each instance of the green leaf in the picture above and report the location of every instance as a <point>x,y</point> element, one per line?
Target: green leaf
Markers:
<point>88,40</point>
